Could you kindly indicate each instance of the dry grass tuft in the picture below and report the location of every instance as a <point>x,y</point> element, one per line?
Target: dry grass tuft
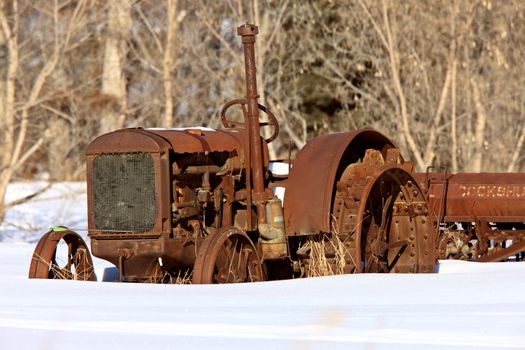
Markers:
<point>182,278</point>
<point>327,256</point>
<point>163,277</point>
<point>64,273</point>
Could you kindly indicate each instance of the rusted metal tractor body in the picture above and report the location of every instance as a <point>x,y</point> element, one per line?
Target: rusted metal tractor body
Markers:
<point>480,216</point>
<point>154,194</point>
<point>162,202</point>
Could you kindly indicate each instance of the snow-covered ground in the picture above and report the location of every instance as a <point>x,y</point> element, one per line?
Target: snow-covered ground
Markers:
<point>464,306</point>
<point>61,204</point>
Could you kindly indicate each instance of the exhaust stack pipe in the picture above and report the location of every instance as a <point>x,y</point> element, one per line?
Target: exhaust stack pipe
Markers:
<point>269,211</point>
<point>248,33</point>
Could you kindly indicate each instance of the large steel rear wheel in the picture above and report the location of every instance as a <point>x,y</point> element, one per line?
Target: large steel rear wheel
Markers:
<point>78,264</point>
<point>228,256</point>
<point>381,216</point>
<point>393,230</point>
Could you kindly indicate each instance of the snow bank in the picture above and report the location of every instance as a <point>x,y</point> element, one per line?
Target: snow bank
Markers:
<point>464,306</point>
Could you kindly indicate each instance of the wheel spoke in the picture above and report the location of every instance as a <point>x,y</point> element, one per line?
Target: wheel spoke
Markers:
<point>69,256</point>
<point>231,257</point>
<point>384,219</point>
<point>403,246</point>
<point>403,243</point>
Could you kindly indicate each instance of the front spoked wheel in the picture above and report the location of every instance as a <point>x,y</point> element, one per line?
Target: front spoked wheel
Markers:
<point>76,262</point>
<point>228,256</point>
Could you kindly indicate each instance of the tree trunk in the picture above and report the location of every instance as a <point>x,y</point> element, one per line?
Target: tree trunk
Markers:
<point>113,78</point>
<point>8,82</point>
<point>167,64</point>
<point>479,133</point>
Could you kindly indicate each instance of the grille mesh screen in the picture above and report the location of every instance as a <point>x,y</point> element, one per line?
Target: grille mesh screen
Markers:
<point>124,192</point>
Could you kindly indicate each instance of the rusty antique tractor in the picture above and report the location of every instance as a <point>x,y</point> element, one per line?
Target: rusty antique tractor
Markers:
<point>210,203</point>
<point>478,216</point>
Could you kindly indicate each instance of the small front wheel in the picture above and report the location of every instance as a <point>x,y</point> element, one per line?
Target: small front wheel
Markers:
<point>78,263</point>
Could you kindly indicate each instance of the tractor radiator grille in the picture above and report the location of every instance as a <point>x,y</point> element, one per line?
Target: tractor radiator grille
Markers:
<point>124,192</point>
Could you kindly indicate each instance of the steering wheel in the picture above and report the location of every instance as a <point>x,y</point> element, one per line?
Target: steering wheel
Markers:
<point>227,123</point>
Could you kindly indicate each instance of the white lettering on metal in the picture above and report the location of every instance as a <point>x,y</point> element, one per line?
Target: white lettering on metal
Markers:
<point>492,191</point>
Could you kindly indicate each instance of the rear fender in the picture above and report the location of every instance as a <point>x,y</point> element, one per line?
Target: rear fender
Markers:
<point>310,187</point>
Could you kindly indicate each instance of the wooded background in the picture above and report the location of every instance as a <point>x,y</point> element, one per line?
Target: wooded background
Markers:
<point>443,79</point>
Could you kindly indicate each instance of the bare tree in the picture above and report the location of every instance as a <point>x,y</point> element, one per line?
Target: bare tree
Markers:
<point>442,79</point>
<point>431,75</point>
<point>17,107</point>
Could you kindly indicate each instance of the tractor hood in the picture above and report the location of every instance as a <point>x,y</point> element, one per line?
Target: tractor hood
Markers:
<point>190,140</point>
